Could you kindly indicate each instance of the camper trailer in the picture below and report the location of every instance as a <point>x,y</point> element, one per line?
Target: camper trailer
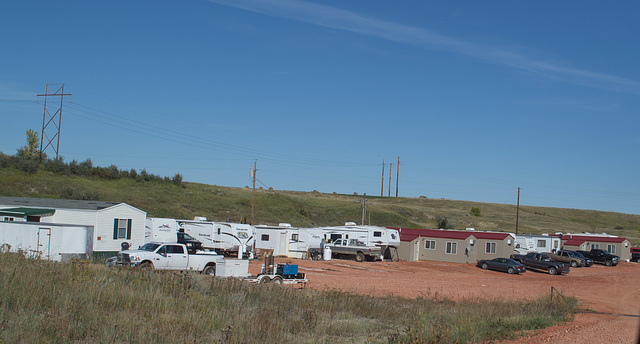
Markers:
<point>222,237</point>
<point>387,239</point>
<point>536,243</point>
<point>288,241</point>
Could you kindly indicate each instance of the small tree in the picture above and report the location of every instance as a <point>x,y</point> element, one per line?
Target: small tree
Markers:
<point>443,223</point>
<point>31,150</point>
<point>475,211</point>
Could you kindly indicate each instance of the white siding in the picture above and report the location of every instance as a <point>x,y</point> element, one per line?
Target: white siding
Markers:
<point>46,240</point>
<point>103,236</point>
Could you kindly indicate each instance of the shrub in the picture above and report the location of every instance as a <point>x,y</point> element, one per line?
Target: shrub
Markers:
<point>444,223</point>
<point>475,211</point>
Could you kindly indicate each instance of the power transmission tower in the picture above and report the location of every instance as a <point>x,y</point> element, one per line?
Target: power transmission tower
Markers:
<point>52,120</point>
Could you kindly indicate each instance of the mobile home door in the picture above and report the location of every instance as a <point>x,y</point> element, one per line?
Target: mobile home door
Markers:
<point>44,242</point>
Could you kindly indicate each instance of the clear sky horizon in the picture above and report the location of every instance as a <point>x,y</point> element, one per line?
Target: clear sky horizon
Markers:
<point>475,98</point>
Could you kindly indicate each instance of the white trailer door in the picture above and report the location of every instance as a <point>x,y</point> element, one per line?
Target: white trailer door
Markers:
<point>44,242</point>
<point>282,244</point>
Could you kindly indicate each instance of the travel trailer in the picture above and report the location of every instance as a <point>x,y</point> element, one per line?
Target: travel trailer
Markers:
<point>222,237</point>
<point>536,243</point>
<point>285,240</point>
<point>387,239</point>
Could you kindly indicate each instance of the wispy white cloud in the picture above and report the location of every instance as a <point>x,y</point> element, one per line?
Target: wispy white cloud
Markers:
<point>339,19</point>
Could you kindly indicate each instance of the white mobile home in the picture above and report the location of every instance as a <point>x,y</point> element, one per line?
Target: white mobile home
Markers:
<point>113,223</point>
<point>50,241</point>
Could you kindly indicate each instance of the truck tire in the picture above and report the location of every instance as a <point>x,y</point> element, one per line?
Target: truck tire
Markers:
<point>210,270</point>
<point>574,264</point>
<point>484,266</point>
<point>359,257</point>
<point>277,280</point>
<point>608,263</point>
<point>552,270</point>
<point>511,271</point>
<point>148,266</point>
<point>265,280</point>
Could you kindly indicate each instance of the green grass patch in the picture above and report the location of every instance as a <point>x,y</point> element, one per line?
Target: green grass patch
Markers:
<point>48,302</point>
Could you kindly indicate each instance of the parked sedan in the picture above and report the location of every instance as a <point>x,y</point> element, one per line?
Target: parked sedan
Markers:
<point>502,264</point>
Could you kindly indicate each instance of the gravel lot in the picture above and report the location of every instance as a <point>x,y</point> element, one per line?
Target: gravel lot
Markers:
<point>613,290</point>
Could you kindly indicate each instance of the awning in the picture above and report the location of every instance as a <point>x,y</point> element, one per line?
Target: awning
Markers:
<point>23,212</point>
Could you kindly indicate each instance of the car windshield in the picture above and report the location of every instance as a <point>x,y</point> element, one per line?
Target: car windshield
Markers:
<point>578,254</point>
<point>149,247</point>
<point>571,254</point>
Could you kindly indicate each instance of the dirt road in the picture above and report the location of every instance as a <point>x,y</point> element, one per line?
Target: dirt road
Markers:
<point>604,289</point>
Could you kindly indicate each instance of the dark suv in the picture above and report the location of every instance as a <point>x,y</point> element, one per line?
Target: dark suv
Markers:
<point>192,244</point>
<point>601,256</point>
<point>635,254</point>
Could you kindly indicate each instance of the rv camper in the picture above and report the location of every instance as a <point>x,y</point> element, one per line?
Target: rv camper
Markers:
<point>222,237</point>
<point>387,239</point>
<point>284,240</point>
<point>536,243</point>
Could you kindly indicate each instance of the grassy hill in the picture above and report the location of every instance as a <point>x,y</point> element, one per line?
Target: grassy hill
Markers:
<point>186,200</point>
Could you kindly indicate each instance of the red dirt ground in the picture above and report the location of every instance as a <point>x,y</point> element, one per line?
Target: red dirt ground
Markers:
<point>613,290</point>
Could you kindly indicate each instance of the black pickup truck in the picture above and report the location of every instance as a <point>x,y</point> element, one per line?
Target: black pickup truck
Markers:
<point>635,254</point>
<point>601,256</point>
<point>540,261</point>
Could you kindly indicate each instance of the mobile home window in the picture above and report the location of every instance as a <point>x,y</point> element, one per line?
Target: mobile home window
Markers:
<point>264,237</point>
<point>595,246</point>
<point>490,248</point>
<point>430,244</point>
<point>121,229</point>
<point>611,249</point>
<point>294,236</point>
<point>452,248</point>
<point>542,243</point>
<point>377,234</point>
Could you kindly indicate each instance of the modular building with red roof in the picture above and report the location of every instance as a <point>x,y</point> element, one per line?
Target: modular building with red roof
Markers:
<point>612,244</point>
<point>448,245</point>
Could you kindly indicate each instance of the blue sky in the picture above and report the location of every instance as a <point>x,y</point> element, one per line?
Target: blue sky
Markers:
<point>476,98</point>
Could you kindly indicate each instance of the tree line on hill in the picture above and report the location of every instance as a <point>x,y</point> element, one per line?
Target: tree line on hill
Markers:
<point>28,159</point>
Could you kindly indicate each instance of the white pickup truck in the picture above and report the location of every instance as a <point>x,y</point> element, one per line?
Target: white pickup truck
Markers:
<point>170,256</point>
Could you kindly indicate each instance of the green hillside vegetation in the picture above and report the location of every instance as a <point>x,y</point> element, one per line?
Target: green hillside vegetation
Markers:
<point>174,198</point>
<point>80,302</point>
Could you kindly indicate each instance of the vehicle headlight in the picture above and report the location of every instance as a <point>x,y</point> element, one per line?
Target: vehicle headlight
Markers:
<point>134,258</point>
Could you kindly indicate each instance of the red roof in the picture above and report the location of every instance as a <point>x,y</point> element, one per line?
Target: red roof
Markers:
<point>409,234</point>
<point>591,238</point>
<point>574,242</point>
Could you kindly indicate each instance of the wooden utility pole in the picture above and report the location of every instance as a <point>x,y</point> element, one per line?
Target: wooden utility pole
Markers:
<point>51,121</point>
<point>390,169</point>
<point>382,187</point>
<point>364,207</point>
<point>517,210</point>
<point>253,199</point>
<point>397,175</point>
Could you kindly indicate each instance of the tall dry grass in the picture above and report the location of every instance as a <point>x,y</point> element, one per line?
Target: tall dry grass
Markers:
<point>79,302</point>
